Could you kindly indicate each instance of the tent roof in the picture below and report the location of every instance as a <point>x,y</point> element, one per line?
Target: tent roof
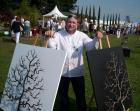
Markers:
<point>55,12</point>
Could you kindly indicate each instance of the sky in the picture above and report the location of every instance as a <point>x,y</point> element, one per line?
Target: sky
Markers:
<point>125,8</point>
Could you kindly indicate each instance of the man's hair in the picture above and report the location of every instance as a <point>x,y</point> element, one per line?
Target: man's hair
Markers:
<point>71,16</point>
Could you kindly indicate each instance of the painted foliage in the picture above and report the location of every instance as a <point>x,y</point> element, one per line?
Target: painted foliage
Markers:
<point>110,79</point>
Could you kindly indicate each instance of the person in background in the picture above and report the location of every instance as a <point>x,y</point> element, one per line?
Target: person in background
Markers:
<point>91,28</point>
<point>22,22</point>
<point>72,41</point>
<point>12,33</point>
<point>27,28</point>
<point>14,19</point>
<point>85,26</point>
<point>16,28</point>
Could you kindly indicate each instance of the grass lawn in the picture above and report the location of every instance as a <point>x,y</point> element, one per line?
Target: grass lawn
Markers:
<point>132,62</point>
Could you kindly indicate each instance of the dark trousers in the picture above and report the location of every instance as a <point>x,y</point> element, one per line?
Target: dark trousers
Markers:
<point>79,90</point>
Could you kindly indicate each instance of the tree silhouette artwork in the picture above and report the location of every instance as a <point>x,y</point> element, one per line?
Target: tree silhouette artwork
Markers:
<point>23,85</point>
<point>109,79</point>
<point>118,92</point>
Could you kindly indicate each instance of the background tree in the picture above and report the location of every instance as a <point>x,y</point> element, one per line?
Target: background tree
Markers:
<point>86,10</point>
<point>44,6</point>
<point>119,19</point>
<point>110,20</point>
<point>77,13</point>
<point>63,5</point>
<point>27,13</point>
<point>94,17</point>
<point>67,5</point>
<point>113,19</point>
<point>98,21</point>
<point>104,22</point>
<point>89,15</point>
<point>107,20</point>
<point>81,15</point>
<point>116,19</point>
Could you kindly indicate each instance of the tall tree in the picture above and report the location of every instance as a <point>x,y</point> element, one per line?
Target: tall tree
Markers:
<point>113,19</point>
<point>89,15</point>
<point>94,17</point>
<point>77,13</point>
<point>104,22</point>
<point>99,14</point>
<point>81,15</point>
<point>107,20</point>
<point>110,21</point>
<point>119,19</point>
<point>86,10</point>
<point>116,17</point>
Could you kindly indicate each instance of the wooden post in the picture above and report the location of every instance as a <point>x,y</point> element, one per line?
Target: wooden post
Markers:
<point>36,39</point>
<point>46,42</point>
<point>100,44</point>
<point>107,40</point>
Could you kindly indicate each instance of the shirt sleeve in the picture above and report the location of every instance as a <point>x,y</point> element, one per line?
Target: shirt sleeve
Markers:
<point>91,43</point>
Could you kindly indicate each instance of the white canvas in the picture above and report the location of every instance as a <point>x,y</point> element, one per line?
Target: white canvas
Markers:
<point>33,79</point>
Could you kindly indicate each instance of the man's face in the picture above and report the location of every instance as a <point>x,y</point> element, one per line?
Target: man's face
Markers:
<point>71,25</point>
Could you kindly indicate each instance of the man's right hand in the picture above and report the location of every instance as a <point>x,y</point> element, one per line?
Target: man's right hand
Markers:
<point>49,33</point>
<point>99,35</point>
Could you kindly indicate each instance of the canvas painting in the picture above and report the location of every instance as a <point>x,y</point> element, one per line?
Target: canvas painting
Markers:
<point>33,79</point>
<point>110,79</point>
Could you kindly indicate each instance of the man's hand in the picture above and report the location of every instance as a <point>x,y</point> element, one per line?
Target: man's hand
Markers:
<point>99,35</point>
<point>49,34</point>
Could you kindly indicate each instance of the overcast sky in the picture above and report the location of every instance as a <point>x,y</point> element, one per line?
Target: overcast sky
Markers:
<point>125,8</point>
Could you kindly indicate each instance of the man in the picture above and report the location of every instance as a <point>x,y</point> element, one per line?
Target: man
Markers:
<point>16,28</point>
<point>72,41</point>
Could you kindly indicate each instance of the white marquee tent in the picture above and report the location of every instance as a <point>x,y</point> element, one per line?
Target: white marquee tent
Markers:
<point>55,12</point>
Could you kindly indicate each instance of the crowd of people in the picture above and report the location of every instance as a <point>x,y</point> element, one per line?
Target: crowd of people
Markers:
<point>87,26</point>
<point>90,27</point>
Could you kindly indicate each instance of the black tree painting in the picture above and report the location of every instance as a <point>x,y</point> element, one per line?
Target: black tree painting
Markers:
<point>24,84</point>
<point>117,87</point>
<point>110,79</point>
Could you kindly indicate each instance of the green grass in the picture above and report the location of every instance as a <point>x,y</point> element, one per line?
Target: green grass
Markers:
<point>132,63</point>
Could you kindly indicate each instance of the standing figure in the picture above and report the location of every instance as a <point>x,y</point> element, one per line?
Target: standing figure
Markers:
<point>73,41</point>
<point>118,32</point>
<point>16,28</point>
<point>85,26</point>
<point>27,28</point>
<point>12,33</point>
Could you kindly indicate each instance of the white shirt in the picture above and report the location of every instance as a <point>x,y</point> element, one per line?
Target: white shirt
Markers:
<point>27,23</point>
<point>73,45</point>
<point>85,26</point>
